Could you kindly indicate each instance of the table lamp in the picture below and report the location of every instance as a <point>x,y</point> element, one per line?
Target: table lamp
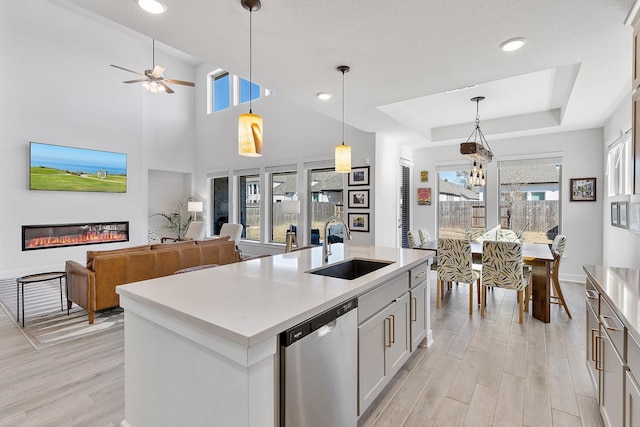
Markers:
<point>194,207</point>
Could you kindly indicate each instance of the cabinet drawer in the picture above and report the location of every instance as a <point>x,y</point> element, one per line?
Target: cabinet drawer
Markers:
<point>380,297</point>
<point>613,327</point>
<point>418,274</point>
<point>593,297</point>
<point>633,355</point>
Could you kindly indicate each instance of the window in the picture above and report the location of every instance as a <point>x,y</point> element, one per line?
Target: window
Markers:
<point>530,197</point>
<point>221,91</point>
<point>249,206</point>
<point>620,166</point>
<point>220,198</point>
<point>284,187</point>
<point>325,188</point>
<point>460,205</point>
<point>246,91</point>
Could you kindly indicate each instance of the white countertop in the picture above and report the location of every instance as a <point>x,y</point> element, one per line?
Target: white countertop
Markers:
<point>250,301</point>
<point>621,288</point>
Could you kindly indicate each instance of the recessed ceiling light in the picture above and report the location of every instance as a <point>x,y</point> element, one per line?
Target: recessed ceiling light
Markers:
<point>323,96</point>
<point>513,44</point>
<point>152,6</point>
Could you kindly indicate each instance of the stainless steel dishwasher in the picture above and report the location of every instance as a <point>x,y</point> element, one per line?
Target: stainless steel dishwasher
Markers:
<point>319,370</point>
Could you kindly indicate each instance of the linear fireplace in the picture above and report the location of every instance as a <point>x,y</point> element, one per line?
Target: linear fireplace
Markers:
<point>62,235</point>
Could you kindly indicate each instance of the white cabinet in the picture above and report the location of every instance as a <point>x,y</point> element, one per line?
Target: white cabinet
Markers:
<point>419,317</point>
<point>383,347</point>
<point>593,332</point>
<point>612,383</point>
<point>632,401</point>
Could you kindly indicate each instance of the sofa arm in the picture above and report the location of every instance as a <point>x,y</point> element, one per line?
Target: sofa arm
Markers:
<point>80,285</point>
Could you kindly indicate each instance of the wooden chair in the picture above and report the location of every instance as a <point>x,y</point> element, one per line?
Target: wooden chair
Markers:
<point>502,268</point>
<point>455,264</point>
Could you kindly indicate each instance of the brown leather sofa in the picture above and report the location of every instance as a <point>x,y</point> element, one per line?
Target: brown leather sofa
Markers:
<point>93,287</point>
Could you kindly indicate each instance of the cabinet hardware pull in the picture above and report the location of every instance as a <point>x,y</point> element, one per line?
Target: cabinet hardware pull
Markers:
<point>606,325</point>
<point>388,328</point>
<point>593,345</point>
<point>393,329</point>
<point>591,294</point>
<point>421,274</point>
<point>597,353</point>
<point>414,309</point>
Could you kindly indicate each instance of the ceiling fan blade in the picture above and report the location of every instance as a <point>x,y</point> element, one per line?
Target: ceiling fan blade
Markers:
<point>166,88</point>
<point>136,81</point>
<point>180,82</point>
<point>157,71</point>
<point>126,69</point>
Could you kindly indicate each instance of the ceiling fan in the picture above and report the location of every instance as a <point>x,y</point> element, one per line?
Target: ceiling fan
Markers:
<point>154,80</point>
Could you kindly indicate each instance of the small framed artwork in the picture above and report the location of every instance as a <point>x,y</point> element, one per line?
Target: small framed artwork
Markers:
<point>623,221</point>
<point>359,222</point>
<point>424,176</point>
<point>614,214</point>
<point>583,189</point>
<point>359,176</point>
<point>424,196</point>
<point>358,199</point>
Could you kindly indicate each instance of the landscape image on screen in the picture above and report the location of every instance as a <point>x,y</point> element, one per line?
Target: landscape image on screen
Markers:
<point>59,168</point>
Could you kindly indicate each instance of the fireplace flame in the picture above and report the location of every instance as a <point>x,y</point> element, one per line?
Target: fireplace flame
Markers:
<point>77,239</point>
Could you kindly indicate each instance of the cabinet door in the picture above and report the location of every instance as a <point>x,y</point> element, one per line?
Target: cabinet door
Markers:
<point>373,339</point>
<point>418,308</point>
<point>399,352</point>
<point>592,333</point>
<point>612,384</point>
<point>632,402</point>
<point>636,139</point>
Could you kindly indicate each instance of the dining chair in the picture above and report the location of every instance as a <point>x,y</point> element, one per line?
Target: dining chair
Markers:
<point>476,234</point>
<point>425,236</point>
<point>557,248</point>
<point>502,268</point>
<point>413,239</point>
<point>455,265</point>
<point>505,235</point>
<point>196,231</point>
<point>234,231</point>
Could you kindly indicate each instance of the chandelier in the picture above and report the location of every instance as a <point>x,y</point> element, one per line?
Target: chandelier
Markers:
<point>477,149</point>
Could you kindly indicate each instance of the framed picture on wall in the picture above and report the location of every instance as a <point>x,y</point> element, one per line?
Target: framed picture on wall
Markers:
<point>358,199</point>
<point>614,214</point>
<point>424,196</point>
<point>359,222</point>
<point>359,176</point>
<point>583,189</point>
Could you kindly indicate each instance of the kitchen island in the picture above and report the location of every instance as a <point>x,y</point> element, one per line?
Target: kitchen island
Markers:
<point>201,348</point>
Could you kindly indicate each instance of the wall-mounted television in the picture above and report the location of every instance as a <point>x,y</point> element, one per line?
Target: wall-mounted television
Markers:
<point>60,168</point>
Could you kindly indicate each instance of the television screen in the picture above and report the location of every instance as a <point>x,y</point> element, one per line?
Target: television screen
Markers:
<point>58,168</point>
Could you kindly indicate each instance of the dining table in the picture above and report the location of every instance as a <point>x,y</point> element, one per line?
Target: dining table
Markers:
<point>536,255</point>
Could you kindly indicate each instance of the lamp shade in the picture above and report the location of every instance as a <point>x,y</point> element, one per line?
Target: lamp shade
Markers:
<point>194,206</point>
<point>343,158</point>
<point>290,207</point>
<point>250,135</point>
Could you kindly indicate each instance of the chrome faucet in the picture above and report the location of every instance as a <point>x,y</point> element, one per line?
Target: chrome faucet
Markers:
<point>326,246</point>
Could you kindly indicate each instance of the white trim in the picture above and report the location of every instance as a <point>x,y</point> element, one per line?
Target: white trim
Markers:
<point>537,156</point>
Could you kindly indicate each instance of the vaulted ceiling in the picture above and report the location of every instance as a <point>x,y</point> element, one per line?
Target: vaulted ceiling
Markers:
<point>405,55</point>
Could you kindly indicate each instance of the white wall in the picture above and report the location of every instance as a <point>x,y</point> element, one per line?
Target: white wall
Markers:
<point>582,157</point>
<point>621,247</point>
<point>293,135</point>
<point>58,88</point>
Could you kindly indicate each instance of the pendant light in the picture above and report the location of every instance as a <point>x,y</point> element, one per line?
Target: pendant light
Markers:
<point>343,152</point>
<point>476,150</point>
<point>250,125</point>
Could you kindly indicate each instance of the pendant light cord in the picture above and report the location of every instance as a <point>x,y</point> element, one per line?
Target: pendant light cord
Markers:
<point>250,60</point>
<point>342,107</point>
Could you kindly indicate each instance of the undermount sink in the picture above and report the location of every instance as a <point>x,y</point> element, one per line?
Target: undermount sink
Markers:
<point>350,269</point>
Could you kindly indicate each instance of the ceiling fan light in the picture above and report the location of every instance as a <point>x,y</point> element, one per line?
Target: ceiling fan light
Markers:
<point>152,6</point>
<point>250,135</point>
<point>343,158</point>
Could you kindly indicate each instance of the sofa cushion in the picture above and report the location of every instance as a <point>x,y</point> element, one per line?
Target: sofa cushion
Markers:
<point>140,266</point>
<point>212,241</point>
<point>92,254</point>
<point>167,262</point>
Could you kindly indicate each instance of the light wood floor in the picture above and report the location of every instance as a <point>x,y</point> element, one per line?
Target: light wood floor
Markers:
<point>489,371</point>
<point>494,371</point>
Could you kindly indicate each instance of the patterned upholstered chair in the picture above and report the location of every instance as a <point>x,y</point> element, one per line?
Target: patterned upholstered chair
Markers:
<point>425,236</point>
<point>455,265</point>
<point>413,239</point>
<point>502,268</point>
<point>508,236</point>
<point>476,234</point>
